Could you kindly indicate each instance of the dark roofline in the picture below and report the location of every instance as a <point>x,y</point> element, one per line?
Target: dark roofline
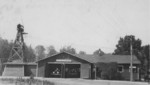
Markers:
<point>99,59</point>
<point>48,57</point>
<point>135,59</point>
<point>60,53</point>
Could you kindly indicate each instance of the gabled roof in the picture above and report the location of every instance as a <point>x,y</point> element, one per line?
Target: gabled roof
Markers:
<point>74,55</point>
<point>121,59</point>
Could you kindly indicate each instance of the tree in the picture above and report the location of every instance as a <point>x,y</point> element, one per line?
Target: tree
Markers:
<point>29,55</point>
<point>68,49</point>
<point>123,46</point>
<point>40,52</point>
<point>146,51</point>
<point>5,48</point>
<point>82,52</point>
<point>144,58</point>
<point>51,51</point>
<point>98,52</point>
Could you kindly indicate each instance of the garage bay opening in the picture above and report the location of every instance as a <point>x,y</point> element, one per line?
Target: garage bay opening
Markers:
<point>60,70</point>
<point>72,70</point>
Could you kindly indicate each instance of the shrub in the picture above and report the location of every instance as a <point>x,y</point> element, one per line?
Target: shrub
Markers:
<point>109,71</point>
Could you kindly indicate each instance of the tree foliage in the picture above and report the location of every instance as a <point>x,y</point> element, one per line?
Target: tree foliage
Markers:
<point>144,58</point>
<point>146,55</point>
<point>123,46</point>
<point>98,52</point>
<point>5,48</point>
<point>82,52</point>
<point>40,52</point>
<point>51,50</point>
<point>68,49</point>
<point>108,71</point>
<point>146,51</point>
<point>29,55</point>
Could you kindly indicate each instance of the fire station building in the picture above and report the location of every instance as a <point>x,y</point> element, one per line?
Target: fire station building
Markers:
<point>66,65</point>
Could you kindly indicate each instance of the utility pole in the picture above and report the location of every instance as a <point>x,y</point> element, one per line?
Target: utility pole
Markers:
<point>148,72</point>
<point>131,62</point>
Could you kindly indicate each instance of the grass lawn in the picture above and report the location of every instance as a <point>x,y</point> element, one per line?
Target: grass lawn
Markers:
<point>62,81</point>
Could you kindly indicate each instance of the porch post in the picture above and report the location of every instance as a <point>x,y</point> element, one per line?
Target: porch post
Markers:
<point>37,70</point>
<point>138,73</point>
<point>95,71</point>
<point>64,70</point>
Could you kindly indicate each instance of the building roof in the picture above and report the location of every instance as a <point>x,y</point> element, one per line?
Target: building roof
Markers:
<point>121,59</point>
<point>89,57</point>
<point>74,55</point>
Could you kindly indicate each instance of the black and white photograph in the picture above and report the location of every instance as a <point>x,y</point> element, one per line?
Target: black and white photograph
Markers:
<point>74,42</point>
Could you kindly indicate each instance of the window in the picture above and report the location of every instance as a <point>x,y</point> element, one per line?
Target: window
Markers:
<point>120,68</point>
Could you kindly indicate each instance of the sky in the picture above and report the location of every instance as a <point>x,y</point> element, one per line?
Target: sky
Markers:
<point>85,25</point>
